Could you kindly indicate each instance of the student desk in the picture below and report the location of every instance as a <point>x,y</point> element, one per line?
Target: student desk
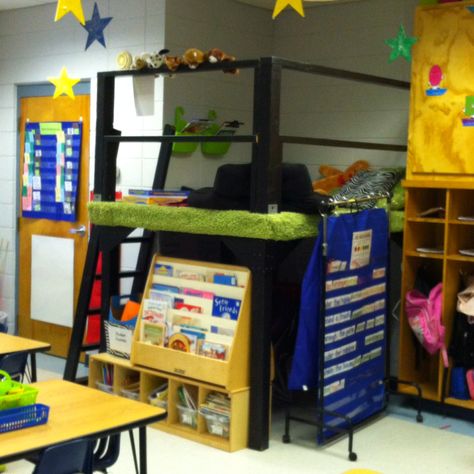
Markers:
<point>77,411</point>
<point>11,344</point>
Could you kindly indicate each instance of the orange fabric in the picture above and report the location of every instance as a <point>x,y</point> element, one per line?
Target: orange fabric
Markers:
<point>130,310</point>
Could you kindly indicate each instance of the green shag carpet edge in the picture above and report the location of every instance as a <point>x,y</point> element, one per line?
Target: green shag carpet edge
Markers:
<point>283,226</point>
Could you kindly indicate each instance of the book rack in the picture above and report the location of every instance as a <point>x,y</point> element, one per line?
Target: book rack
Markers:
<point>152,366</point>
<point>232,373</point>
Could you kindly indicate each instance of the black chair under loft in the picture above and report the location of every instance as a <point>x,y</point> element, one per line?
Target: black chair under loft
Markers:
<point>66,458</point>
<point>106,453</point>
<point>15,365</point>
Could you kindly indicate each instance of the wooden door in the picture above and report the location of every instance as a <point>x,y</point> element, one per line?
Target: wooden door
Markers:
<point>47,109</point>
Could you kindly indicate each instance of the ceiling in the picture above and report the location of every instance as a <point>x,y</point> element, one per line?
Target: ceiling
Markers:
<point>11,4</point>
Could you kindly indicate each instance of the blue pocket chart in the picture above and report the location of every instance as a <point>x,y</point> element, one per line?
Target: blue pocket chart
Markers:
<point>50,177</point>
<point>353,342</point>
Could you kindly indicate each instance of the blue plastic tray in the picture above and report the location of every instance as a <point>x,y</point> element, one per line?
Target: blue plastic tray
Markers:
<point>23,417</point>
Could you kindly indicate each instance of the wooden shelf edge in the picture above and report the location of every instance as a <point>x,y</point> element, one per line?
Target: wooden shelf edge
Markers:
<point>434,256</point>
<point>426,220</point>
<point>460,403</point>
<point>428,392</point>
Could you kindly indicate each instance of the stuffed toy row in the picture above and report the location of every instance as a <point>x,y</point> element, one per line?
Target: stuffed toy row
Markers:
<point>191,58</point>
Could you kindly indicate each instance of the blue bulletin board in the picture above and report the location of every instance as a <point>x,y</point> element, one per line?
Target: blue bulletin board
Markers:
<point>343,355</point>
<point>50,180</point>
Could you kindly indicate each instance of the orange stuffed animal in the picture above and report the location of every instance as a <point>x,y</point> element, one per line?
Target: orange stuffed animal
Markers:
<point>335,178</point>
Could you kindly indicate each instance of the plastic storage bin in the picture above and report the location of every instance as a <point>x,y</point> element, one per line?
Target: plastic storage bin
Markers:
<point>15,394</point>
<point>104,387</point>
<point>156,402</point>
<point>217,425</point>
<point>132,394</point>
<point>23,417</point>
<point>187,416</point>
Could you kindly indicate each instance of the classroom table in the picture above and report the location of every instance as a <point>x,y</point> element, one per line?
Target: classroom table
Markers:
<point>10,344</point>
<point>77,411</point>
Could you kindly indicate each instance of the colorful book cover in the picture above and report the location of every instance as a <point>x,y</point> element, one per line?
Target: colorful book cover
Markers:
<point>162,269</point>
<point>221,279</point>
<point>168,288</point>
<point>227,308</point>
<point>187,307</point>
<point>155,311</point>
<point>198,293</point>
<point>153,333</point>
<point>213,350</point>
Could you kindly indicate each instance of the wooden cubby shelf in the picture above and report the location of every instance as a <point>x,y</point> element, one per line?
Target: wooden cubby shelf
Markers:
<point>155,365</point>
<point>450,235</point>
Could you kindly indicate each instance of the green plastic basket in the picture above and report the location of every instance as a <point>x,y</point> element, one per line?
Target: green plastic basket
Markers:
<point>26,395</point>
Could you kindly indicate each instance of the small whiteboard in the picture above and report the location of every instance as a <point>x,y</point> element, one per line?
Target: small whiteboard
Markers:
<point>52,280</point>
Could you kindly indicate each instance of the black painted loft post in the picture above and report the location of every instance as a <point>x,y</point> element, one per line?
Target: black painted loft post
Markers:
<point>104,126</point>
<point>265,190</point>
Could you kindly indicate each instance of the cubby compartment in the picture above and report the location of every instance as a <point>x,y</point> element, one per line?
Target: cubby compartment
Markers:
<point>127,382</point>
<point>425,203</point>
<point>425,238</point>
<point>461,206</point>
<point>461,242</point>
<point>154,390</point>
<point>102,375</point>
<point>183,404</point>
<point>415,363</point>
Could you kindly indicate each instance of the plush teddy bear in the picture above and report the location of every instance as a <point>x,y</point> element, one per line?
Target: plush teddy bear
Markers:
<point>333,178</point>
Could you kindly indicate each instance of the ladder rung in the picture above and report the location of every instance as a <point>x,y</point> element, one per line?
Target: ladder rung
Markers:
<point>136,240</point>
<point>90,347</point>
<point>130,274</point>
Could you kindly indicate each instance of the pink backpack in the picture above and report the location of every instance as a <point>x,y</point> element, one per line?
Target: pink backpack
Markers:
<point>424,317</point>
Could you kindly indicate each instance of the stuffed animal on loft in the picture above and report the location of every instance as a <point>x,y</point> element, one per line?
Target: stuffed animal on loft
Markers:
<point>193,57</point>
<point>216,55</point>
<point>126,61</point>
<point>333,178</point>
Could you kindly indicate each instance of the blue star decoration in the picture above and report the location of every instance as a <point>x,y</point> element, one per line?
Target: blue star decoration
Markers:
<point>95,27</point>
<point>401,45</point>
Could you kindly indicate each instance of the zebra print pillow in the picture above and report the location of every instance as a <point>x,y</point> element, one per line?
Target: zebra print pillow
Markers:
<point>369,182</point>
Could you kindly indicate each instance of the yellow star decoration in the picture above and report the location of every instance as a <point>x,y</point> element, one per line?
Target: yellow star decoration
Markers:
<point>64,84</point>
<point>280,5</point>
<point>73,6</point>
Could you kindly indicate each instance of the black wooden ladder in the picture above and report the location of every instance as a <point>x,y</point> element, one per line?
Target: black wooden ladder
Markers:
<point>107,241</point>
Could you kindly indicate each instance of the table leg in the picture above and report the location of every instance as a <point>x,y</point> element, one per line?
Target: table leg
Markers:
<point>33,366</point>
<point>142,439</point>
<point>134,451</point>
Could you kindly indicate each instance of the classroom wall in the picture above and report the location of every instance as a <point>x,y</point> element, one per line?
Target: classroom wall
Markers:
<point>241,30</point>
<point>348,36</point>
<point>33,47</point>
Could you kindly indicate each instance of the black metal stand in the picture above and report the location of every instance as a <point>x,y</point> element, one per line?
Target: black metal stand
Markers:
<point>320,411</point>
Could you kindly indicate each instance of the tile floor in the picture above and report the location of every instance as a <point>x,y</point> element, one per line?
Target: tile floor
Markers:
<point>393,444</point>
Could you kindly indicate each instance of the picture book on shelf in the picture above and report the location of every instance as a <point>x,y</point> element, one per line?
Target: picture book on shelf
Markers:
<point>190,275</point>
<point>227,308</point>
<point>166,288</point>
<point>222,279</point>
<point>198,293</point>
<point>214,350</point>
<point>155,311</point>
<point>162,269</point>
<point>153,333</point>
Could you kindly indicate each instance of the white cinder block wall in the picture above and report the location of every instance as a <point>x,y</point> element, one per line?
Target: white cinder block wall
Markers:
<point>33,47</point>
<point>347,36</point>
<point>240,30</point>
